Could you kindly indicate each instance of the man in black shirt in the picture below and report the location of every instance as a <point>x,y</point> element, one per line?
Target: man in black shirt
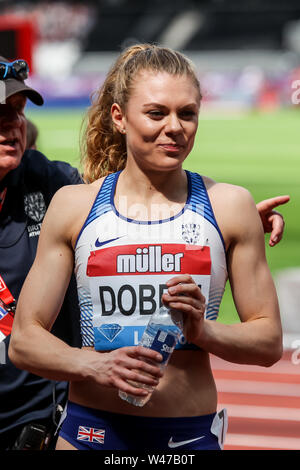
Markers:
<point>27,183</point>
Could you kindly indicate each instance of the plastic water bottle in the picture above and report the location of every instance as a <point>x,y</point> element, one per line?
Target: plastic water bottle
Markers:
<point>161,334</point>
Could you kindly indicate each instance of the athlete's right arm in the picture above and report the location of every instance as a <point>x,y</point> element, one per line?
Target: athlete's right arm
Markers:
<point>32,346</point>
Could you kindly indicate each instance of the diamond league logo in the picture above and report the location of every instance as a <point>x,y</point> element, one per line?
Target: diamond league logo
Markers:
<point>110,330</point>
<point>34,205</point>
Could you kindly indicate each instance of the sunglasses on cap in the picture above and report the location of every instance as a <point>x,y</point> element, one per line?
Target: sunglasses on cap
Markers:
<point>17,69</point>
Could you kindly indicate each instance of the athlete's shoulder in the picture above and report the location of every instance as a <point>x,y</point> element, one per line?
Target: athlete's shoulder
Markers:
<point>234,208</point>
<point>69,208</point>
<point>228,192</point>
<point>74,194</point>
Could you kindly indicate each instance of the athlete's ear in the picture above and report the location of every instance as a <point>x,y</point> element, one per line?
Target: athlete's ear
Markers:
<point>118,117</point>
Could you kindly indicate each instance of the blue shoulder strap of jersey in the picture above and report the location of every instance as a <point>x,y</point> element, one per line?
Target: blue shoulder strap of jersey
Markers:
<point>199,201</point>
<point>102,203</point>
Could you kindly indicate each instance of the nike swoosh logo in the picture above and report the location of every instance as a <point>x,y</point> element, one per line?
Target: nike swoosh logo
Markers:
<point>98,244</point>
<point>173,444</point>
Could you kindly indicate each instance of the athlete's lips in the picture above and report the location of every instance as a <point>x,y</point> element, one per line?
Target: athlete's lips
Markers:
<point>171,146</point>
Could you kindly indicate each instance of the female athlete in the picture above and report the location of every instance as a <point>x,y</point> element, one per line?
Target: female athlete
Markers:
<point>144,232</point>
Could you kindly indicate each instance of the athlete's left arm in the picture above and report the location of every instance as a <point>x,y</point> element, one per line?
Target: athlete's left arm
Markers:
<point>257,339</point>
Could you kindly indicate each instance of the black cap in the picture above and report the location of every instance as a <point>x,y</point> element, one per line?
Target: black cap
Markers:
<point>11,86</point>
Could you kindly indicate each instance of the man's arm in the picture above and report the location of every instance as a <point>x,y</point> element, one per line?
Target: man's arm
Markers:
<point>273,221</point>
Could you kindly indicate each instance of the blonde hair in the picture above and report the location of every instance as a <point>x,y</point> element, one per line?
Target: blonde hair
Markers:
<point>103,146</point>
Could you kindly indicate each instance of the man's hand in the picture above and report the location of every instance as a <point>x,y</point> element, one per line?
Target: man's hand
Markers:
<point>272,220</point>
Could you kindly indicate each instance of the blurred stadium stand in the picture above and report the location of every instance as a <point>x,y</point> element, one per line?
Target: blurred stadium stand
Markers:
<point>257,39</point>
<point>199,25</point>
<point>207,24</point>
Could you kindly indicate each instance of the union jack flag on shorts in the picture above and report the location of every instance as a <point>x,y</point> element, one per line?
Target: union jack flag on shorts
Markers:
<point>90,434</point>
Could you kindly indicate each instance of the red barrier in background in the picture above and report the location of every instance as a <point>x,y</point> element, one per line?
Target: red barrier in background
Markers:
<point>17,38</point>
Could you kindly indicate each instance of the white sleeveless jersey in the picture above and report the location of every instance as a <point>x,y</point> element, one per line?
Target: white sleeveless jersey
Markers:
<point>122,265</point>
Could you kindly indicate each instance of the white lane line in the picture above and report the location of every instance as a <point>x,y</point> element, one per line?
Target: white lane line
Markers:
<point>258,388</point>
<point>271,442</point>
<point>261,412</point>
<point>281,367</point>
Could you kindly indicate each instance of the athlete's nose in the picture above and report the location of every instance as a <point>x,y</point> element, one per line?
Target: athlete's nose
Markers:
<point>173,124</point>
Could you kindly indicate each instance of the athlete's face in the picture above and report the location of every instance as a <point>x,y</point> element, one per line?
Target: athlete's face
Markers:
<point>12,133</point>
<point>160,120</point>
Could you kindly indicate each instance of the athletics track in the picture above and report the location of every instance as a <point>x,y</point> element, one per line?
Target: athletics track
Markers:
<point>263,404</point>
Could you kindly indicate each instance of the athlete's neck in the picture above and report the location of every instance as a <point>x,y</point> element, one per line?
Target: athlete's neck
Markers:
<point>154,185</point>
<point>146,198</point>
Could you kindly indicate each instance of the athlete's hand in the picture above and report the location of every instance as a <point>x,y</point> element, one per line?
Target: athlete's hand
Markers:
<point>184,295</point>
<point>117,367</point>
<point>272,220</point>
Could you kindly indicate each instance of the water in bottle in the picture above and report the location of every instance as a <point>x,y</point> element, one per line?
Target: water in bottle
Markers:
<point>161,334</point>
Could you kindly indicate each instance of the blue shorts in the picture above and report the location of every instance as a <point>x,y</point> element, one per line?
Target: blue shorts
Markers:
<point>90,429</point>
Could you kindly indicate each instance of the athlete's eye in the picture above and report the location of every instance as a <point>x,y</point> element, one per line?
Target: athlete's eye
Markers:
<point>187,114</point>
<point>155,114</point>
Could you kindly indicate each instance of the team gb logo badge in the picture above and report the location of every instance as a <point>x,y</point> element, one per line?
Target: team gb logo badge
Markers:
<point>191,233</point>
<point>34,205</point>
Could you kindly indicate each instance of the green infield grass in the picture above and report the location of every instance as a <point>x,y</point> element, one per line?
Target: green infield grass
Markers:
<point>260,151</point>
